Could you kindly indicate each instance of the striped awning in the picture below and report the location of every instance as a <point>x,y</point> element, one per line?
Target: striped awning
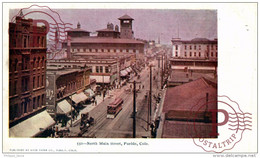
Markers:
<point>123,73</point>
<point>32,126</point>
<point>90,92</point>
<point>128,69</point>
<point>77,98</point>
<point>64,107</point>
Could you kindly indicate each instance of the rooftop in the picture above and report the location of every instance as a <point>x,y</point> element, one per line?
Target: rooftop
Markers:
<point>77,30</point>
<point>181,129</point>
<point>196,41</point>
<point>104,40</point>
<point>106,30</point>
<point>125,17</point>
<point>190,96</point>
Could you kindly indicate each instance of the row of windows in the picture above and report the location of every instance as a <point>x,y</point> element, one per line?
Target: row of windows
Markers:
<point>25,84</point>
<point>195,54</point>
<point>195,47</point>
<point>16,111</point>
<point>13,64</point>
<point>103,50</point>
<point>38,82</point>
<point>37,41</point>
<point>99,69</point>
<point>71,86</point>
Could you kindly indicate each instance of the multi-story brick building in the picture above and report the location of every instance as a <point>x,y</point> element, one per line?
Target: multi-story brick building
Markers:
<point>27,73</point>
<point>108,40</point>
<point>65,85</point>
<point>197,48</point>
<point>105,70</point>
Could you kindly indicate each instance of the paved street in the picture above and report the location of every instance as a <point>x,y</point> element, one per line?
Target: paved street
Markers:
<point>122,125</point>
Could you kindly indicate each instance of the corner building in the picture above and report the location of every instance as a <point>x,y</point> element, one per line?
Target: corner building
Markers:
<point>27,73</point>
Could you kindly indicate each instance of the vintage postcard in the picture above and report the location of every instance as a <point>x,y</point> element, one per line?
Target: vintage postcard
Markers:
<point>130,78</point>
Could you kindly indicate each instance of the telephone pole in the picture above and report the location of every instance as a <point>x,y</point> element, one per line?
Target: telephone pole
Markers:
<point>134,108</point>
<point>150,99</point>
<point>162,74</point>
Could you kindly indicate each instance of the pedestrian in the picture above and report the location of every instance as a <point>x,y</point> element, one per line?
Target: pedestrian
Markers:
<point>143,86</point>
<point>95,102</point>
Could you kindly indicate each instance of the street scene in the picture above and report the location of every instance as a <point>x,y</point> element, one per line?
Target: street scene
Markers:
<point>119,74</point>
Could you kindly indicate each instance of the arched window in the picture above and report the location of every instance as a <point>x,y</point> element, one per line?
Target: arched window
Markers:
<point>38,62</point>
<point>43,62</point>
<point>34,62</point>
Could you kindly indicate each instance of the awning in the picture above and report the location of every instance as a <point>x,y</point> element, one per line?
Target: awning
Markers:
<point>128,69</point>
<point>123,73</point>
<point>64,107</point>
<point>33,126</point>
<point>82,96</point>
<point>90,93</point>
<point>77,98</point>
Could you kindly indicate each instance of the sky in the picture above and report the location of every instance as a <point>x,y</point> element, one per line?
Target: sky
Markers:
<point>148,24</point>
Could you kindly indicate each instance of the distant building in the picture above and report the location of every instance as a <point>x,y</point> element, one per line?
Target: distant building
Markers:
<point>187,110</point>
<point>109,31</point>
<point>104,70</point>
<point>108,40</point>
<point>197,48</point>
<point>27,73</point>
<point>126,30</point>
<point>78,32</point>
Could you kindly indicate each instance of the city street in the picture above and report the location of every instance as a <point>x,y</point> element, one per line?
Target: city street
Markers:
<point>122,125</point>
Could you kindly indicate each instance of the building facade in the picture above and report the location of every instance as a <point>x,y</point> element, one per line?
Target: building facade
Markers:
<point>63,83</point>
<point>197,48</point>
<point>27,73</point>
<point>108,40</point>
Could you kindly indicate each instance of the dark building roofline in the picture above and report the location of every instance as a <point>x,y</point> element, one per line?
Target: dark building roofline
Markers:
<point>195,41</point>
<point>106,30</point>
<point>125,17</point>
<point>105,40</point>
<point>77,30</point>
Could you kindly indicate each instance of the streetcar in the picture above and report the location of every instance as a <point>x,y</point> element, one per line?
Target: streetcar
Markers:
<point>114,108</point>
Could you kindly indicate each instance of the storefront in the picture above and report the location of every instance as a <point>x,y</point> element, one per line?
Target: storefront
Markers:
<point>33,126</point>
<point>64,111</point>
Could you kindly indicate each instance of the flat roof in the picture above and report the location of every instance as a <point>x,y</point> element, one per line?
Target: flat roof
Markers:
<point>98,40</point>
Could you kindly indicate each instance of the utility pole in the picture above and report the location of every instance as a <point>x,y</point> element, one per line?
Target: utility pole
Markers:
<point>162,74</point>
<point>134,108</point>
<point>150,98</point>
<point>103,85</point>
